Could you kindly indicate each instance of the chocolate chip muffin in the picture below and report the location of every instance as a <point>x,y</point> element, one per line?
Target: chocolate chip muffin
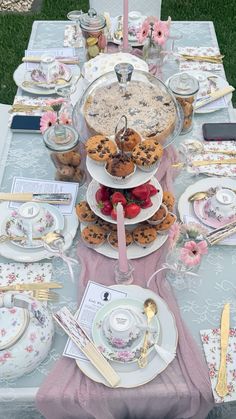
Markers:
<point>113,239</point>
<point>85,214</point>
<point>107,227</point>
<point>144,235</point>
<point>120,167</point>
<point>130,139</point>
<point>147,155</point>
<point>166,223</point>
<point>169,200</point>
<point>93,236</point>
<point>159,215</point>
<point>99,148</point>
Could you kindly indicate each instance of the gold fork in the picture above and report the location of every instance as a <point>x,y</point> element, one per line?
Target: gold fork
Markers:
<point>45,295</point>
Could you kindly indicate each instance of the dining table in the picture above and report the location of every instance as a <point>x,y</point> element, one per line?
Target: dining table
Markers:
<point>200,306</point>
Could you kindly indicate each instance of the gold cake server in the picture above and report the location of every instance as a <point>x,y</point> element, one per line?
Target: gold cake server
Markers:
<point>221,386</point>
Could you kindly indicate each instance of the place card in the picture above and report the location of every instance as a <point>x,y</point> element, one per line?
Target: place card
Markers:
<point>211,345</point>
<point>22,184</point>
<point>95,297</point>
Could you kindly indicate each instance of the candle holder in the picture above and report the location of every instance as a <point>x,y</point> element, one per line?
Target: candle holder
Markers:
<point>123,278</point>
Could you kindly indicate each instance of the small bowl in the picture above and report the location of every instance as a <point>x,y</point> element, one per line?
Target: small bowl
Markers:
<point>120,327</point>
<point>222,204</point>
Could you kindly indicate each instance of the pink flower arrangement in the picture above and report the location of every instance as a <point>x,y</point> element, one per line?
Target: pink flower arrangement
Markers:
<point>53,117</point>
<point>155,29</point>
<point>189,238</point>
<point>192,252</point>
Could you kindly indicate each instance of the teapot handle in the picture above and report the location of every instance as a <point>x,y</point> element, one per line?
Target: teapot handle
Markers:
<point>10,300</point>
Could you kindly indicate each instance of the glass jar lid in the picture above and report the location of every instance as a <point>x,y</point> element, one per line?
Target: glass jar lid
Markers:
<point>91,21</point>
<point>61,143</point>
<point>183,84</point>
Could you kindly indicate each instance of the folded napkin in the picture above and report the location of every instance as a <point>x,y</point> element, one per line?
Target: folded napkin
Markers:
<point>211,345</point>
<point>181,391</point>
<point>199,65</point>
<point>23,273</point>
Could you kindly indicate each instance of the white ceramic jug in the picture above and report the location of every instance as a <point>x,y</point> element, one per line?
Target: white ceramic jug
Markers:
<point>26,332</point>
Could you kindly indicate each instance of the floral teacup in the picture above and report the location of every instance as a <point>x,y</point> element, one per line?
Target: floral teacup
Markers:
<point>34,219</point>
<point>135,21</point>
<point>120,327</point>
<point>222,204</point>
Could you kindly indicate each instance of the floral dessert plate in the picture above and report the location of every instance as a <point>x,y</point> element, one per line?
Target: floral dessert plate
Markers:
<point>130,373</point>
<point>9,250</point>
<point>14,322</point>
<point>13,226</point>
<point>104,63</point>
<point>142,216</point>
<point>21,75</point>
<point>98,173</point>
<point>208,215</point>
<point>186,208</point>
<point>116,349</point>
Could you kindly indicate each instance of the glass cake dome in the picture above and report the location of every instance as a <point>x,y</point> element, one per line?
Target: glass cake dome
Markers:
<point>150,107</point>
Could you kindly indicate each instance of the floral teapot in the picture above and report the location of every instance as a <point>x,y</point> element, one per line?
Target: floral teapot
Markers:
<point>26,332</point>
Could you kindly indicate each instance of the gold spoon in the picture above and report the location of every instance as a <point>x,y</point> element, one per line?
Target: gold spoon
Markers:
<point>198,196</point>
<point>48,238</point>
<point>150,309</point>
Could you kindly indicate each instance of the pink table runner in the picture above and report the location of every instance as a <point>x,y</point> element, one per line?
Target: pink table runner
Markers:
<point>181,391</point>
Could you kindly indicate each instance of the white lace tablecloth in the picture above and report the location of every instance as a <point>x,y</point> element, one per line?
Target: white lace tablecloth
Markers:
<point>201,309</point>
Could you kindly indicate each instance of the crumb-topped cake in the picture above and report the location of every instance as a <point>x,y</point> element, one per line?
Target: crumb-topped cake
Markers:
<point>149,109</point>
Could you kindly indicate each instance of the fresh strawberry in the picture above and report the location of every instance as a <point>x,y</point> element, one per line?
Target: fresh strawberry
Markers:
<point>102,194</point>
<point>132,210</point>
<point>152,189</point>
<point>114,214</point>
<point>118,197</point>
<point>141,192</point>
<point>146,204</point>
<point>106,207</point>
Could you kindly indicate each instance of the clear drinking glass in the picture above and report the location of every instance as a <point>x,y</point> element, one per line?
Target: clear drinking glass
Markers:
<point>75,16</point>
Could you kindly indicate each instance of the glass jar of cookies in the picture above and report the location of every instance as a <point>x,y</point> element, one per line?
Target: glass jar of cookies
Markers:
<point>65,154</point>
<point>93,28</point>
<point>185,89</point>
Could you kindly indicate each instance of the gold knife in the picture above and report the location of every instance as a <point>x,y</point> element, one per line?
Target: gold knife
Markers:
<point>221,386</point>
<point>31,286</point>
<point>65,60</point>
<point>62,198</point>
<point>214,95</point>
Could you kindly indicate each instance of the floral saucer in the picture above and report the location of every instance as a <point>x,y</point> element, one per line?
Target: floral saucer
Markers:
<point>132,349</point>
<point>207,215</point>
<point>64,73</point>
<point>13,226</point>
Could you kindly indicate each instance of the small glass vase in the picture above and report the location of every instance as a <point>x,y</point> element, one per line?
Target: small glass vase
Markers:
<point>154,57</point>
<point>180,275</point>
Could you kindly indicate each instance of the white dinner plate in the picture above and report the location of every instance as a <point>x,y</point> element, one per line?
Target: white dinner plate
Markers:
<point>132,350</point>
<point>21,74</point>
<point>11,251</point>
<point>133,250</point>
<point>130,374</point>
<point>185,207</point>
<point>142,216</point>
<point>98,173</point>
<point>201,76</point>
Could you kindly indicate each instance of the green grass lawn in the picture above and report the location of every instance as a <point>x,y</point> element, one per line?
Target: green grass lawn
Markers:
<point>15,31</point>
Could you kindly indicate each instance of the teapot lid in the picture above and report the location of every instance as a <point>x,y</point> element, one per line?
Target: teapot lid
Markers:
<point>13,323</point>
<point>91,21</point>
<point>184,84</point>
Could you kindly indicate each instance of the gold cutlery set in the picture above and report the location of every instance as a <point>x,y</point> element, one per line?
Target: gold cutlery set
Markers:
<point>42,291</point>
<point>221,386</point>
<point>215,59</point>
